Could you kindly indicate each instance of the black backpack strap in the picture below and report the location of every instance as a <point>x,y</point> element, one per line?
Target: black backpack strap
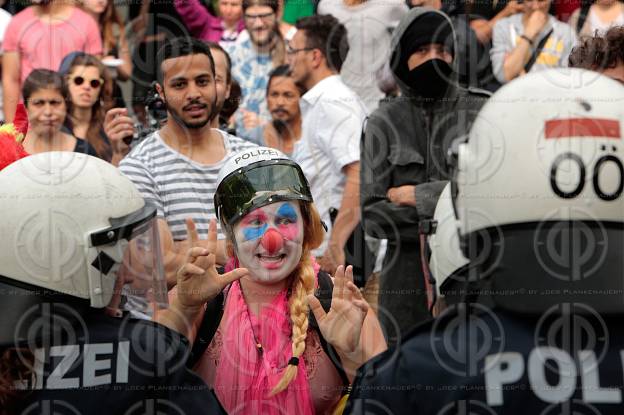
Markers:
<point>537,51</point>
<point>324,294</point>
<point>583,13</point>
<point>207,329</point>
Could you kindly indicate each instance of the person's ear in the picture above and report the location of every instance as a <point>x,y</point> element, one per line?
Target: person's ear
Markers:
<point>317,58</point>
<point>228,88</point>
<point>160,91</point>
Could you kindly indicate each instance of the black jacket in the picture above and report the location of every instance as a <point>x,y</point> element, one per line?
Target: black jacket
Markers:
<point>479,360</point>
<point>406,143</point>
<point>92,363</point>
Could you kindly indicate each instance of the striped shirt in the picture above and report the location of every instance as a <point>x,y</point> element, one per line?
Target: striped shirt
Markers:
<point>179,187</point>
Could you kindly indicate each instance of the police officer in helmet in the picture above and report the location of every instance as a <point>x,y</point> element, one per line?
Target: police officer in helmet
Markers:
<point>538,198</point>
<point>79,250</point>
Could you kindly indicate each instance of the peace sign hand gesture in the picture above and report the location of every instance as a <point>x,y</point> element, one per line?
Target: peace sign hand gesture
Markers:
<point>342,326</point>
<point>198,280</point>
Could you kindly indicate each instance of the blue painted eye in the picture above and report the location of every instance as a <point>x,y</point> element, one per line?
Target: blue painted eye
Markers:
<point>287,211</point>
<point>252,233</point>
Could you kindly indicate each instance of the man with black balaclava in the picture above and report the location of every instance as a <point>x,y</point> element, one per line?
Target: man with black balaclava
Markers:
<point>403,158</point>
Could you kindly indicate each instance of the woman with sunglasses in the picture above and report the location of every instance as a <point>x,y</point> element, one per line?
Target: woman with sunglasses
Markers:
<point>46,97</point>
<point>85,76</point>
<point>278,348</point>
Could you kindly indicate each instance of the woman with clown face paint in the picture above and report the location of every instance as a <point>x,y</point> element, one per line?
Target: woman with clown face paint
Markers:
<point>267,356</point>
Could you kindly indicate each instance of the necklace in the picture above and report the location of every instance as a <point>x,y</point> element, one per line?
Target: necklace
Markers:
<point>251,325</point>
<point>253,332</point>
<point>257,343</point>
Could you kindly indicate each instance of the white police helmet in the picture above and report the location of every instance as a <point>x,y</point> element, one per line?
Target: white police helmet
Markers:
<point>72,224</point>
<point>539,150</point>
<point>538,191</point>
<point>446,256</point>
<point>257,177</point>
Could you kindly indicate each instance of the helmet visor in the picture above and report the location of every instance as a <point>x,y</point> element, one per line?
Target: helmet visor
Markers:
<point>258,185</point>
<point>135,263</point>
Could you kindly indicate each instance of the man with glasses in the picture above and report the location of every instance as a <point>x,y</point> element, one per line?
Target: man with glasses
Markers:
<point>529,41</point>
<point>333,115</point>
<point>253,57</point>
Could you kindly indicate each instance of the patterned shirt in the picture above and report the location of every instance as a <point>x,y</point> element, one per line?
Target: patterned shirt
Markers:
<point>251,70</point>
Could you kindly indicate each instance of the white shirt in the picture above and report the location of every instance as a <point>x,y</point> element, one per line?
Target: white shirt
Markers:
<point>332,120</point>
<point>369,30</point>
<point>600,26</point>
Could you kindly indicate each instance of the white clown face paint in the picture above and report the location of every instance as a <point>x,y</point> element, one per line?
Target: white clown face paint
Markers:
<point>269,241</point>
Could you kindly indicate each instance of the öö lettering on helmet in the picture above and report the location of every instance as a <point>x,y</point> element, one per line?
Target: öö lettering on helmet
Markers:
<point>602,162</point>
<point>256,153</point>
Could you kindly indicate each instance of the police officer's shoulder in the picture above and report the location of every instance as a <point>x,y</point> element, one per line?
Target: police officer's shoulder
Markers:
<point>384,362</point>
<point>157,344</point>
<point>392,380</point>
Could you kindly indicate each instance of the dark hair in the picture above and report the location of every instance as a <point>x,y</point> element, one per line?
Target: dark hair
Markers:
<point>281,71</point>
<point>326,33</point>
<point>215,46</point>
<point>274,4</point>
<point>44,79</point>
<point>232,103</point>
<point>108,20</point>
<point>94,132</point>
<point>599,52</point>
<point>178,47</point>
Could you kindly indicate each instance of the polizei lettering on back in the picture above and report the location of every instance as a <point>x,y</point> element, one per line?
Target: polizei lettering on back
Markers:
<point>255,153</point>
<point>507,368</point>
<point>52,365</point>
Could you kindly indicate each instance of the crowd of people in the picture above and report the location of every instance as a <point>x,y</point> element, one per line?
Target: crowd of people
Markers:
<point>281,174</point>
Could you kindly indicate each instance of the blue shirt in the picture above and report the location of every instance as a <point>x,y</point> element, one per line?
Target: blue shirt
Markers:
<point>251,71</point>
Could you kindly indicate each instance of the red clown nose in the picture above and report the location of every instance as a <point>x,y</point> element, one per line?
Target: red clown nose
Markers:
<point>272,241</point>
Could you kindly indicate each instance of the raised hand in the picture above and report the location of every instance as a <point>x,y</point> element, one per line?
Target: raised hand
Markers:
<point>536,22</point>
<point>342,325</point>
<point>332,258</point>
<point>198,280</point>
<point>118,125</point>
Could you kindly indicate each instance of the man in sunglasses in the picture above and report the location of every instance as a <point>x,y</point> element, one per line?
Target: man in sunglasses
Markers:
<point>254,54</point>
